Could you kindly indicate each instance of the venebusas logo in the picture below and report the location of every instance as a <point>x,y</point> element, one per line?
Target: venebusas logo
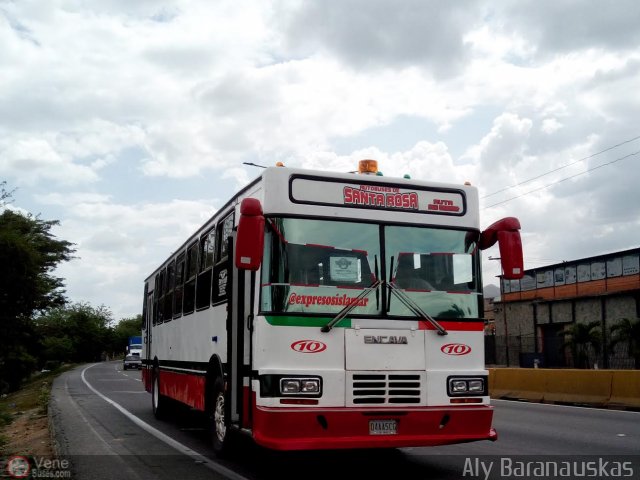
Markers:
<point>455,349</point>
<point>308,346</point>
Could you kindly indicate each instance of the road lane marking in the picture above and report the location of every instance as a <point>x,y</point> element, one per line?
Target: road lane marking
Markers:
<point>115,367</point>
<point>198,457</point>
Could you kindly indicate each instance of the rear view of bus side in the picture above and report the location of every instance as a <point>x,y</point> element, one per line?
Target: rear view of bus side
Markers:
<point>321,310</point>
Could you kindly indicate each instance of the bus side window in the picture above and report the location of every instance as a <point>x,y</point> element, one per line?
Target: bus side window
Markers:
<point>168,293</point>
<point>224,232</point>
<point>207,250</point>
<point>179,288</point>
<point>160,289</point>
<point>156,298</point>
<point>190,275</point>
<point>221,269</point>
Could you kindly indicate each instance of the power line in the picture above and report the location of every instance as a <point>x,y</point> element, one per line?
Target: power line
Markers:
<point>560,168</point>
<point>563,180</point>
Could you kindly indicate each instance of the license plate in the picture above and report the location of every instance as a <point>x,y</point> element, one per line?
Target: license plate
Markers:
<point>383,427</point>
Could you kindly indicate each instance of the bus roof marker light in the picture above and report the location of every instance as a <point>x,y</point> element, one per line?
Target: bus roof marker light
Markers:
<point>368,167</point>
<point>279,164</point>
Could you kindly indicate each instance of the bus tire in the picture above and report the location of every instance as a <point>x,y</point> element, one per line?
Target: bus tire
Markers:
<point>158,401</point>
<point>220,432</point>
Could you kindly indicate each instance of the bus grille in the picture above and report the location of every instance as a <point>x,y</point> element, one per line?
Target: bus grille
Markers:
<point>387,389</point>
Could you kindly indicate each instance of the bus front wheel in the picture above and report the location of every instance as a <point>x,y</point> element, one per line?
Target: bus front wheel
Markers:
<point>220,432</point>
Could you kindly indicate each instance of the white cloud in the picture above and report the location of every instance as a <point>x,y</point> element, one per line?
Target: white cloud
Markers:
<point>551,125</point>
<point>118,246</point>
<point>68,157</point>
<point>374,34</point>
<point>503,148</point>
<point>115,113</point>
<point>31,160</point>
<point>570,26</point>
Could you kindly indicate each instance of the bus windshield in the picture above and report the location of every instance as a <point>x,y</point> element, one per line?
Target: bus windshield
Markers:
<point>320,267</point>
<point>436,268</point>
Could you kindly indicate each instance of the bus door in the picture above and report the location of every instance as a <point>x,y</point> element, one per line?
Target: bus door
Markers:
<point>147,319</point>
<point>239,337</point>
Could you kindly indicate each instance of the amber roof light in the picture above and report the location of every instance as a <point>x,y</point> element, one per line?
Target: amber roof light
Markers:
<point>368,166</point>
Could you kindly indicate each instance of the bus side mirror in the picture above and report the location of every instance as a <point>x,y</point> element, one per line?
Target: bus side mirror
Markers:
<point>250,237</point>
<point>507,233</point>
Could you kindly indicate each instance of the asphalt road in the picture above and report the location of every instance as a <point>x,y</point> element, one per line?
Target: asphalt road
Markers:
<point>103,423</point>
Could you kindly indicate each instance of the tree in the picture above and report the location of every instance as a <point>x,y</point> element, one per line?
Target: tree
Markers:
<point>628,331</point>
<point>4,195</point>
<point>29,253</point>
<point>583,337</point>
<point>78,333</point>
<point>127,327</point>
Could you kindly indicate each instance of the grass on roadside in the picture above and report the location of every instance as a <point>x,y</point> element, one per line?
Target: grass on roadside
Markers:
<point>33,395</point>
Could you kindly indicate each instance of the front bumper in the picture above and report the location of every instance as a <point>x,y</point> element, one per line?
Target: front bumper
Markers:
<point>315,429</point>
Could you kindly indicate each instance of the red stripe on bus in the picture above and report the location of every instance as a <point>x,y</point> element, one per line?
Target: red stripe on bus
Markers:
<point>454,326</point>
<point>183,387</point>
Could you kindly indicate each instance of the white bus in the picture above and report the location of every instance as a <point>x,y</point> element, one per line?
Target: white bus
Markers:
<point>321,310</point>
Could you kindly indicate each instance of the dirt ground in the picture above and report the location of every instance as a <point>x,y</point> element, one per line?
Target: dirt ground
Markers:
<point>28,434</point>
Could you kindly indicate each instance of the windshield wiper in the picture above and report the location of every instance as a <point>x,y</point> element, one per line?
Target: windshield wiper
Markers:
<point>415,308</point>
<point>354,303</point>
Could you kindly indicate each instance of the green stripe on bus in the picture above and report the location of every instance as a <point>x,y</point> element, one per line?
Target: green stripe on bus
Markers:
<point>306,322</point>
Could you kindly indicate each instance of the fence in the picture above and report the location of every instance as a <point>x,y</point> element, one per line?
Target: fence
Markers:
<point>521,351</point>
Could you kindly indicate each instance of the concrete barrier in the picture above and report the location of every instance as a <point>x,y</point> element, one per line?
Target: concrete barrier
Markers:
<point>615,388</point>
<point>625,388</point>
<point>520,383</point>
<point>591,387</point>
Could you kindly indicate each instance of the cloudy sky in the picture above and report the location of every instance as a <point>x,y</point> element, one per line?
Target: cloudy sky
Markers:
<point>129,121</point>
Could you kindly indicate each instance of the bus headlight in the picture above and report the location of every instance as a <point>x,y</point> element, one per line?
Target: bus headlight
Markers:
<point>457,386</point>
<point>476,386</point>
<point>300,386</point>
<point>289,386</point>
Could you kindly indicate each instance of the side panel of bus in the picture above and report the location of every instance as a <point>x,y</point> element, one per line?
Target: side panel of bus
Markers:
<point>201,342</point>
